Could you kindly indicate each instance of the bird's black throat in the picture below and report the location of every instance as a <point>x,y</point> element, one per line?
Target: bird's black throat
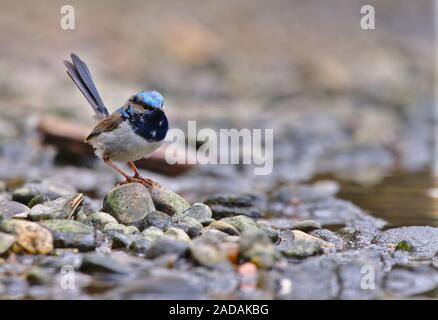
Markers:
<point>151,125</point>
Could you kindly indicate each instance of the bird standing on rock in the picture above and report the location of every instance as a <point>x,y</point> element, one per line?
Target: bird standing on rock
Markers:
<point>130,133</point>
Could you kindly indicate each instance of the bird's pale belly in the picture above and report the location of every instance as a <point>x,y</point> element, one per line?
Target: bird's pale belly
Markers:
<point>123,144</point>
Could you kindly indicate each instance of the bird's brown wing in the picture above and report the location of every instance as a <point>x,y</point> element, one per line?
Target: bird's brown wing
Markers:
<point>108,124</point>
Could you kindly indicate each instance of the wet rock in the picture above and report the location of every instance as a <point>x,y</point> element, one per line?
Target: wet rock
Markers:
<point>423,240</point>
<point>103,263</point>
<point>200,212</point>
<point>256,247</point>
<point>406,282</point>
<point>159,284</point>
<point>153,233</point>
<point>156,219</point>
<point>71,234</point>
<point>168,201</point>
<point>330,237</point>
<point>242,223</point>
<point>31,189</point>
<point>191,226</point>
<point>250,205</point>
<point>113,228</point>
<point>271,232</point>
<point>38,199</point>
<point>305,203</point>
<point>306,225</point>
<point>167,245</point>
<point>6,242</point>
<point>297,244</point>
<point>61,208</point>
<point>128,203</point>
<point>30,236</point>
<point>177,234</point>
<point>100,219</point>
<point>224,227</point>
<point>11,209</point>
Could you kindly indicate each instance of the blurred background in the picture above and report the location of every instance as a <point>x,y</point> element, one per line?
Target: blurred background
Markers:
<point>352,110</point>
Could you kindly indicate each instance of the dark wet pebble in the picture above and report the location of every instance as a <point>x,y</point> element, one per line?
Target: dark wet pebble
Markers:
<point>10,209</point>
<point>156,219</point>
<point>104,263</point>
<point>250,205</point>
<point>71,234</point>
<point>200,212</point>
<point>38,199</point>
<point>191,226</point>
<point>329,236</point>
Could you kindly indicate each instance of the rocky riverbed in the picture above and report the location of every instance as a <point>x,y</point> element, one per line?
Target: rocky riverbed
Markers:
<point>298,242</point>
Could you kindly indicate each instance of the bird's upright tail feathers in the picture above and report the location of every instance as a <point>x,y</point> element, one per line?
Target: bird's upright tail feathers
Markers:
<point>81,76</point>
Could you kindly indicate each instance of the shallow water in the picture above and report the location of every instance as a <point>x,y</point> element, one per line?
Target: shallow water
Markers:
<point>401,198</point>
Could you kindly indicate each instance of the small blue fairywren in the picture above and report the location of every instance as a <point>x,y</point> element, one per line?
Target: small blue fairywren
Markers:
<point>132,132</point>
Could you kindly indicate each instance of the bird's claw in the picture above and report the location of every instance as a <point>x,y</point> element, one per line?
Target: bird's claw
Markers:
<point>148,183</point>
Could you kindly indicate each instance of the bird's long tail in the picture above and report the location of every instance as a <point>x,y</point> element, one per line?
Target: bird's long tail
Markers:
<point>81,76</point>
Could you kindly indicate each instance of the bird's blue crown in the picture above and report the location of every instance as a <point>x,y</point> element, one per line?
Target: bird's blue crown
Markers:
<point>151,99</point>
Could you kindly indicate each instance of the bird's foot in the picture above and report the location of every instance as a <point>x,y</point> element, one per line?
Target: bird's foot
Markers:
<point>148,183</point>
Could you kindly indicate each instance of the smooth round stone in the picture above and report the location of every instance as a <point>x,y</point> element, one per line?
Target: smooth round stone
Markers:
<point>191,226</point>
<point>200,212</point>
<point>306,225</point>
<point>100,219</point>
<point>112,228</point>
<point>11,209</point>
<point>30,236</point>
<point>156,219</point>
<point>177,234</point>
<point>153,233</point>
<point>128,203</point>
<point>242,223</point>
<point>224,227</point>
<point>168,201</point>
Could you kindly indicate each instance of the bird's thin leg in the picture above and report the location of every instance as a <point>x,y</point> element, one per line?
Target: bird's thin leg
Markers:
<point>138,177</point>
<point>134,168</point>
<point>116,168</point>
